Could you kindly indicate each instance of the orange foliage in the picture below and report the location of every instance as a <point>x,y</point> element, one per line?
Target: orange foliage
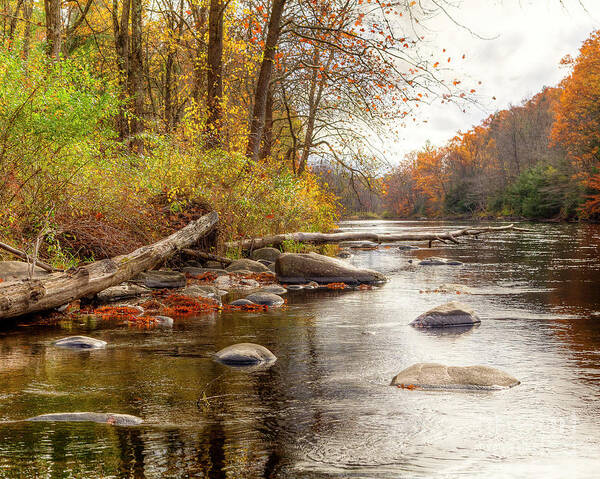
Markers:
<point>577,125</point>
<point>178,305</point>
<point>336,286</point>
<point>112,313</point>
<point>408,386</point>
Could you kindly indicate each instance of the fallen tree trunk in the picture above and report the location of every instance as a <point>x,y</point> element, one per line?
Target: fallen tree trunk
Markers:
<point>322,238</point>
<point>29,296</point>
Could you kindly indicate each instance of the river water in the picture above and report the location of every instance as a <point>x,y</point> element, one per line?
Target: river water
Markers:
<point>325,410</point>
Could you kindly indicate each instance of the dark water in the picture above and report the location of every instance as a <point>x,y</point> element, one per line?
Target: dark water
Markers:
<point>325,409</point>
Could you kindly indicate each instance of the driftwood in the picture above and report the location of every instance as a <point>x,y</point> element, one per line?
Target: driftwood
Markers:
<point>192,253</point>
<point>21,254</point>
<point>323,238</point>
<point>29,296</point>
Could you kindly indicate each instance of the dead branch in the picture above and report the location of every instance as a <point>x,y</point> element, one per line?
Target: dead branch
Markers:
<point>21,254</point>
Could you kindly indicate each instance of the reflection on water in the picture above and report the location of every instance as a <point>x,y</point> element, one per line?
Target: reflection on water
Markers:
<point>325,410</point>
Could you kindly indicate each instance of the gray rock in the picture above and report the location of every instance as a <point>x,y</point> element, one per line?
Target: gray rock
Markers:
<point>232,283</point>
<point>202,291</point>
<point>447,315</point>
<point>265,262</point>
<point>201,271</point>
<point>269,254</point>
<point>295,287</point>
<point>405,247</point>
<point>193,264</point>
<point>433,261</point>
<point>272,268</point>
<point>241,302</point>
<point>18,270</point>
<point>245,354</point>
<point>247,265</point>
<point>80,342</point>
<point>121,291</point>
<point>266,299</point>
<point>438,376</point>
<point>304,268</point>
<point>273,288</point>
<point>213,264</point>
<point>103,418</point>
<point>163,279</point>
<point>164,321</point>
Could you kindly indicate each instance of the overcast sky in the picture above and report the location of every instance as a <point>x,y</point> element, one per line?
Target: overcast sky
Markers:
<point>528,40</point>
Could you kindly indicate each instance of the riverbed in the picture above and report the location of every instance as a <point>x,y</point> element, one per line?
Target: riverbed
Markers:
<point>325,408</point>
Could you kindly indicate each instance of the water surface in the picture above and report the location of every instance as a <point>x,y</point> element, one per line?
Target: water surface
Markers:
<point>325,410</point>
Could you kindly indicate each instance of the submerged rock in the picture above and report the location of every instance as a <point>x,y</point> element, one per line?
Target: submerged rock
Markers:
<point>247,265</point>
<point>241,302</point>
<point>80,342</point>
<point>265,299</point>
<point>163,279</point>
<point>438,376</point>
<point>18,270</point>
<point>103,418</point>
<point>273,288</point>
<point>434,261</point>
<point>121,291</point>
<point>245,354</point>
<point>307,267</point>
<point>447,315</point>
<point>453,288</point>
<point>406,247</point>
<point>269,254</point>
<point>164,321</point>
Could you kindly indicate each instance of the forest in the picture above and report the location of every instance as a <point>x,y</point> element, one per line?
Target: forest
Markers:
<point>122,120</point>
<point>537,160</point>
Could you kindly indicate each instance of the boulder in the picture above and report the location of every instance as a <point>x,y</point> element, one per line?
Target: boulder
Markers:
<point>433,261</point>
<point>294,287</point>
<point>80,342</point>
<point>245,354</point>
<point>265,299</point>
<point>267,263</point>
<point>269,254</point>
<point>247,265</point>
<point>447,315</point>
<point>230,282</point>
<point>273,288</point>
<point>438,376</point>
<point>307,267</point>
<point>18,270</point>
<point>241,302</point>
<point>164,321</point>
<point>201,271</point>
<point>163,279</point>
<point>202,291</point>
<point>103,418</point>
<point>121,291</point>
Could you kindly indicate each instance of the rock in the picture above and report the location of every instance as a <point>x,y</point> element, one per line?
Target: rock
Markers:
<point>452,288</point>
<point>433,261</point>
<point>248,265</point>
<point>193,264</point>
<point>245,354</point>
<point>103,418</point>
<point>121,291</point>
<point>241,302</point>
<point>213,264</point>
<point>306,267</point>
<point>272,268</point>
<point>273,288</point>
<point>344,254</point>
<point>269,254</point>
<point>202,291</point>
<point>447,315</point>
<point>265,262</point>
<point>18,270</point>
<point>295,287</point>
<point>164,321</point>
<point>230,282</point>
<point>438,376</point>
<point>80,342</point>
<point>163,279</point>
<point>266,299</point>
<point>201,271</point>
<point>406,247</point>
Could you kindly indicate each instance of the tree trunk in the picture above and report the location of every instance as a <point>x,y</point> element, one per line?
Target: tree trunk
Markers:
<point>267,140</point>
<point>121,33</point>
<point>264,78</point>
<point>23,297</point>
<point>53,28</point>
<point>27,12</point>
<point>324,238</point>
<point>13,24</point>
<point>136,77</point>
<point>214,71</point>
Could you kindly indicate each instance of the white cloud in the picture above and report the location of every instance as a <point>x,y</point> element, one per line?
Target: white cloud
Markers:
<point>524,45</point>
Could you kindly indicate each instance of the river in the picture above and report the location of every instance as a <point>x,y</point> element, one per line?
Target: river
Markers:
<point>325,410</point>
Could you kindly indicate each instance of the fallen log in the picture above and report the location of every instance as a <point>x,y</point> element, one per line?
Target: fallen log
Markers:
<point>323,238</point>
<point>192,253</point>
<point>29,296</point>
